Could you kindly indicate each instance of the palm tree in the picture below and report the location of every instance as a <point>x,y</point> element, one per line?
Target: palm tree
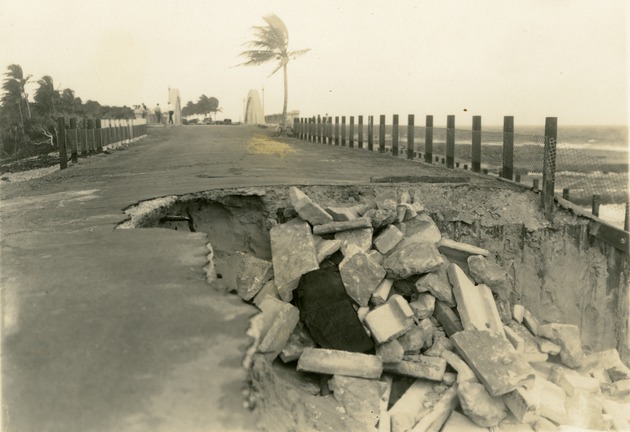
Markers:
<point>271,44</point>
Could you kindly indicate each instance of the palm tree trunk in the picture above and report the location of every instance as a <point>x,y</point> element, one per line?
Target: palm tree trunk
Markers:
<point>286,95</point>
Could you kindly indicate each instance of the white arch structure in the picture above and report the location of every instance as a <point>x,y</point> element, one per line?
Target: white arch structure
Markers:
<point>253,109</point>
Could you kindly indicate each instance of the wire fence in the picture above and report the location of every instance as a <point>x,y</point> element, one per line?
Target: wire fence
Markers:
<point>586,176</point>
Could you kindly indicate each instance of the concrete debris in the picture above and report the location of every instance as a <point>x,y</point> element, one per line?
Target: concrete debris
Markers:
<point>307,209</point>
<point>409,307</point>
<point>336,362</point>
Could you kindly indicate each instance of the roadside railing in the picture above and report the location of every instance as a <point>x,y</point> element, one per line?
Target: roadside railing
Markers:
<point>517,158</point>
<point>85,137</point>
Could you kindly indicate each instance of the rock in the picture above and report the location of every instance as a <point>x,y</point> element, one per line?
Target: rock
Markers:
<point>544,425</point>
<point>334,362</point>
<point>326,248</point>
<point>437,284</point>
<point>413,340</point>
<point>376,256</point>
<point>427,327</point>
<point>494,361</point>
<point>412,259</point>
<point>607,360</point>
<point>523,404</point>
<point>293,252</point>
<point>548,347</point>
<point>418,366</point>
<point>361,238</point>
<point>440,345</point>
<point>464,372</point>
<point>388,321</point>
<point>619,413</point>
<point>531,352</point>
<point>253,275</point>
<point>572,382</point>
<point>381,294</point>
<point>504,307</point>
<point>381,217</point>
<point>422,228</point>
<point>434,419</point>
<point>518,313</point>
<point>447,318</point>
<point>585,411</point>
<point>334,227</point>
<point>359,396</point>
<point>340,214</point>
<point>552,401</point>
<point>391,351</point>
<point>449,378</point>
<point>404,197</point>
<point>298,340</point>
<point>423,307</point>
<point>531,322</point>
<point>448,246</point>
<point>568,337</point>
<point>404,412</point>
<point>361,276</point>
<point>268,290</point>
<point>388,239</point>
<point>307,209</point>
<point>479,405</point>
<point>460,423</point>
<point>475,303</point>
<point>490,274</point>
<point>385,422</point>
<point>285,318</point>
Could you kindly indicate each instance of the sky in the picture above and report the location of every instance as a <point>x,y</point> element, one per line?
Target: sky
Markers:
<point>527,58</point>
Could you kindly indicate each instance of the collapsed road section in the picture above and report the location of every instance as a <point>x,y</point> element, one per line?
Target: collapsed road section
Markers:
<point>415,308</point>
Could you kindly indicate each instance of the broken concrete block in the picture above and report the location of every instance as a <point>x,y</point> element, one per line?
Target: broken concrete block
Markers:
<point>361,276</point>
<point>439,413</point>
<point>335,362</point>
<point>269,289</point>
<point>381,294</point>
<point>572,382</point>
<point>460,423</point>
<point>388,321</point>
<point>518,313</point>
<point>437,284</point>
<point>517,342</point>
<point>387,239</point>
<point>326,248</point>
<point>404,412</point>
<point>418,366</point>
<point>448,246</point>
<point>384,421</point>
<point>449,378</point>
<point>412,259</point>
<point>440,345</point>
<point>584,410</point>
<point>253,275</point>
<point>504,307</point>
<point>552,401</point>
<point>381,217</point>
<point>376,256</point>
<point>340,214</point>
<point>494,361</point>
<point>298,340</point>
<point>475,303</point>
<point>423,307</point>
<point>285,318</point>
<point>447,318</point>
<point>361,238</point>
<point>568,337</point>
<point>428,329</point>
<point>482,408</point>
<point>618,373</point>
<point>400,213</point>
<point>404,197</point>
<point>548,347</point>
<point>607,360</point>
<point>413,340</point>
<point>619,413</point>
<point>334,227</point>
<point>464,372</point>
<point>390,352</point>
<point>293,252</point>
<point>544,425</point>
<point>359,396</point>
<point>405,212</point>
<point>362,312</point>
<point>523,404</point>
<point>422,228</point>
<point>490,274</point>
<point>531,322</point>
<point>307,209</point>
<point>531,351</point>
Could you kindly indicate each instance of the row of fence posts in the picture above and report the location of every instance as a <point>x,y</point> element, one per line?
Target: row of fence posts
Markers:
<point>93,136</point>
<point>322,130</point>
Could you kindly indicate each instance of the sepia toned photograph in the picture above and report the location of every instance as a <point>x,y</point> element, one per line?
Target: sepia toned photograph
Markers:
<point>326,216</point>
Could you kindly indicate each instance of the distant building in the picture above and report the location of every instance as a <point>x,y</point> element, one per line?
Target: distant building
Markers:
<point>277,118</point>
<point>253,109</point>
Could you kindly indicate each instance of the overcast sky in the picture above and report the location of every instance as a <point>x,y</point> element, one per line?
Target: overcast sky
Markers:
<point>526,58</point>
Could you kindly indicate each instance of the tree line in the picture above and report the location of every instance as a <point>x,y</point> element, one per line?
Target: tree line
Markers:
<point>29,127</point>
<point>204,105</point>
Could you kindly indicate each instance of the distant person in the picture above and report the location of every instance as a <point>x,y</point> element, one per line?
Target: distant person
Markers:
<point>145,110</point>
<point>158,113</point>
<point>170,113</point>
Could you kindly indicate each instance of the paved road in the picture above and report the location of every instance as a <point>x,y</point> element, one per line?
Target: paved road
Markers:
<point>108,329</point>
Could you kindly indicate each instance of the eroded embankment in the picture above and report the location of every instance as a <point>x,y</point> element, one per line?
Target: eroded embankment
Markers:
<point>560,273</point>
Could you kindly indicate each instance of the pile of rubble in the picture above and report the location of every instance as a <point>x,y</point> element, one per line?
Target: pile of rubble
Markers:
<point>411,331</point>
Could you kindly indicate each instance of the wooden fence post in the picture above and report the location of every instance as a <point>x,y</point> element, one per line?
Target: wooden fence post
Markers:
<point>370,132</point>
<point>411,145</point>
<point>336,130</point>
<point>508,147</point>
<point>549,165</point>
<point>360,137</point>
<point>626,221</point>
<point>61,142</point>
<point>395,135</point>
<point>428,139</point>
<point>595,206</point>
<point>565,194</point>
<point>343,131</point>
<point>450,141</point>
<point>476,144</point>
<point>319,129</point>
<point>71,136</point>
<point>92,143</point>
<point>381,134</point>
<point>351,133</point>
<point>99,136</point>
